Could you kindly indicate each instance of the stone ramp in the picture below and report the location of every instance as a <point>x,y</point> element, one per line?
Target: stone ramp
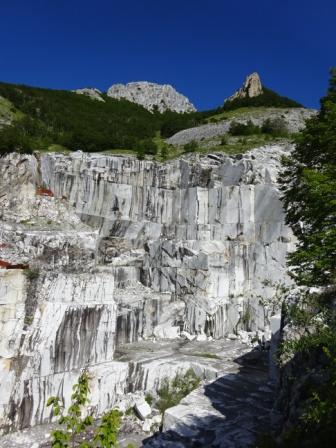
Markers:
<point>226,413</point>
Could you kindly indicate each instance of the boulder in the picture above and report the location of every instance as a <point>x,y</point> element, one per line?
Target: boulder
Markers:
<point>143,409</point>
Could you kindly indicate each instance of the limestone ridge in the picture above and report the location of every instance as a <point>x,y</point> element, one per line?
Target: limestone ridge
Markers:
<point>93,93</point>
<point>252,87</point>
<point>152,96</point>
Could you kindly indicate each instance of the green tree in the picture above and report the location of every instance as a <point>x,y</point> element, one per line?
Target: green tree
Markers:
<point>105,435</point>
<point>309,187</point>
<point>72,419</point>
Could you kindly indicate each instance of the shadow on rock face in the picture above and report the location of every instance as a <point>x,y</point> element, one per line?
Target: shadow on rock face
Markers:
<point>229,412</point>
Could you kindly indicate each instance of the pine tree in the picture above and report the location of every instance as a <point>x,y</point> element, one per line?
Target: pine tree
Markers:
<point>309,186</point>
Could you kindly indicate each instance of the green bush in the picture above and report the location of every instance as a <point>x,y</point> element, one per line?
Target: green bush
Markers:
<point>149,399</point>
<point>172,392</point>
<point>191,147</point>
<point>244,129</point>
<point>309,185</point>
<point>147,146</point>
<point>164,151</point>
<point>77,122</point>
<point>105,434</point>
<point>31,273</point>
<point>275,127</point>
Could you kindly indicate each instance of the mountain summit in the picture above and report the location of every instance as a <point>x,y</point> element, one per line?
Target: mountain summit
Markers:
<point>252,87</point>
<point>254,94</point>
<point>152,96</point>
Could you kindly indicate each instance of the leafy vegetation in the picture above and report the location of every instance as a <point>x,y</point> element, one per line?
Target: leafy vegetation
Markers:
<point>172,392</point>
<point>31,273</point>
<point>249,128</point>
<point>43,119</point>
<point>191,147</point>
<point>309,185</point>
<point>309,189</point>
<point>172,122</point>
<point>273,128</point>
<point>149,399</point>
<point>105,435</point>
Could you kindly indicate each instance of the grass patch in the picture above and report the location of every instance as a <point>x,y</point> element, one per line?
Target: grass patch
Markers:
<point>119,151</point>
<point>54,148</point>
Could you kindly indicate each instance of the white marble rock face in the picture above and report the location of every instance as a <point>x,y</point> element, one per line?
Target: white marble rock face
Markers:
<point>128,250</point>
<point>252,87</point>
<point>152,96</point>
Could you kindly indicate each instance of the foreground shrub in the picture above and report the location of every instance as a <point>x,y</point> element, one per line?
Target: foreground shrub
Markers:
<point>172,392</point>
<point>74,425</point>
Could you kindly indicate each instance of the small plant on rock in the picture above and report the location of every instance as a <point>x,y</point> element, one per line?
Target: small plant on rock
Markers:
<point>149,399</point>
<point>72,419</point>
<point>107,432</point>
<point>105,435</point>
<point>172,392</point>
<point>32,273</point>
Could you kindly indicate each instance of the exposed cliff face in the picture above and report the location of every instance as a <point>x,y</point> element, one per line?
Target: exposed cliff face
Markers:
<point>93,93</point>
<point>152,96</point>
<point>252,87</point>
<point>128,250</point>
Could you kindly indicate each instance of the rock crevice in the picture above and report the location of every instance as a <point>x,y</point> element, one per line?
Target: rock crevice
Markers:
<point>125,250</point>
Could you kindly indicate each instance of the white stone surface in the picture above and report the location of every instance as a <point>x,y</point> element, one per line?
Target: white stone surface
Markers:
<point>152,96</point>
<point>143,409</point>
<point>252,87</point>
<point>128,250</point>
<point>94,94</point>
<point>293,118</point>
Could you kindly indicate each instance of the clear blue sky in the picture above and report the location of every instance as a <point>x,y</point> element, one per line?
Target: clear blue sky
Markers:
<point>203,48</point>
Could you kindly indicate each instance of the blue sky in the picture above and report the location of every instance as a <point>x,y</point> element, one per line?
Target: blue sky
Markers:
<point>203,48</point>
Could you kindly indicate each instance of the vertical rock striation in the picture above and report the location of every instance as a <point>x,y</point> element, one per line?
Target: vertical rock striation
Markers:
<point>111,250</point>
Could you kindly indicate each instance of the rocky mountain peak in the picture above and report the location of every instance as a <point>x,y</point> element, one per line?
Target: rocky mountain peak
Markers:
<point>252,87</point>
<point>152,96</point>
<point>94,94</point>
